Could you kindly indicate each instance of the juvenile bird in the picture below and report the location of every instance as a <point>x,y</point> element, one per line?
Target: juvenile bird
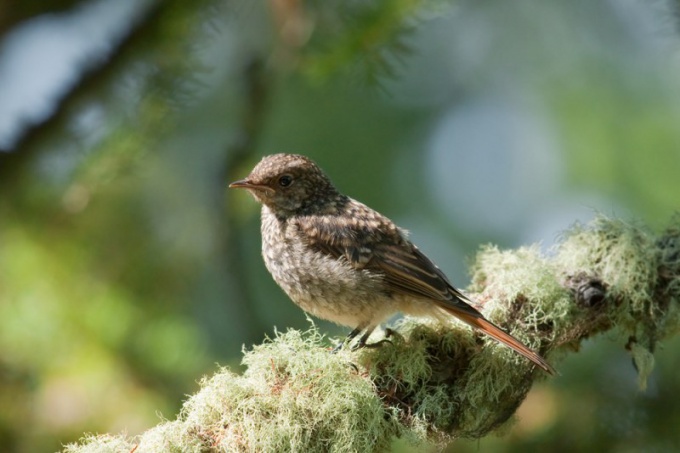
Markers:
<point>342,261</point>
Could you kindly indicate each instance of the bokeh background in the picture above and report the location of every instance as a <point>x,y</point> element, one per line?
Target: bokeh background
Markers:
<point>128,271</point>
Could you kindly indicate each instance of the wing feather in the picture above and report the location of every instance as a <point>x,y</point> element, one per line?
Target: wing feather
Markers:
<point>375,244</point>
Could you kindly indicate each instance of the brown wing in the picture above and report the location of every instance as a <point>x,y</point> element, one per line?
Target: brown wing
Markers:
<point>407,270</point>
<point>368,240</point>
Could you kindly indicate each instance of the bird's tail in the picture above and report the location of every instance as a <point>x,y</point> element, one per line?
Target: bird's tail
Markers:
<point>478,321</point>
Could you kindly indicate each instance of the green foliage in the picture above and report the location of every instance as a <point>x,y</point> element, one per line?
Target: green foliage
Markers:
<point>620,136</point>
<point>84,322</point>
<point>363,38</point>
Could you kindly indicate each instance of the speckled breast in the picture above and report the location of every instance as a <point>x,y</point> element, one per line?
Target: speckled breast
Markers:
<point>322,285</point>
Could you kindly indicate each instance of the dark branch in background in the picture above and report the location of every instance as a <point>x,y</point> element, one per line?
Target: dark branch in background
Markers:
<point>14,12</point>
<point>13,164</point>
<point>257,89</point>
<point>250,119</point>
<point>367,40</point>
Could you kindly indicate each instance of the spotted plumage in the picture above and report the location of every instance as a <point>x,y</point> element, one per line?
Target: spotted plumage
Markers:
<point>342,261</point>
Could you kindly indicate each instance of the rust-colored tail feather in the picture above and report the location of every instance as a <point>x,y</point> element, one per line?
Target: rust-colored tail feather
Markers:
<point>478,321</point>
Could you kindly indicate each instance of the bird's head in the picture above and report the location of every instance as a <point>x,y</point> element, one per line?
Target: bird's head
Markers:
<point>288,184</point>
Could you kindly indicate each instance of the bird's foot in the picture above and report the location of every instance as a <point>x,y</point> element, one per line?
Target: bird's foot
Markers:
<point>338,347</point>
<point>362,343</point>
<point>377,344</point>
<point>349,338</point>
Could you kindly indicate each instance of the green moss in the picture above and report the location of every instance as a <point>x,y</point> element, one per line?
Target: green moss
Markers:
<point>633,265</point>
<point>644,363</point>
<point>670,325</point>
<point>626,258</point>
<point>438,379</point>
<point>294,396</point>
<point>104,443</point>
<point>441,382</point>
<point>176,437</point>
<point>669,272</point>
<point>525,281</point>
<point>623,255</point>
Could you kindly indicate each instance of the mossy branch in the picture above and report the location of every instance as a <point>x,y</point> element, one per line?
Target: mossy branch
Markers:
<point>436,382</point>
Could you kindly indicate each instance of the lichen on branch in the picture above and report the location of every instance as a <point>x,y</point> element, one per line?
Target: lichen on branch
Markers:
<point>436,381</point>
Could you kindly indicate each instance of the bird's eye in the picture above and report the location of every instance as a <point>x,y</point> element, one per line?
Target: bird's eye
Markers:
<point>285,180</point>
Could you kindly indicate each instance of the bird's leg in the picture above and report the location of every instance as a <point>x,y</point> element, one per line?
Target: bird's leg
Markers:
<point>362,343</point>
<point>349,338</point>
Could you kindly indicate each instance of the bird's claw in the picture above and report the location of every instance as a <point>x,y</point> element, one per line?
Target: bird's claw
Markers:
<point>337,347</point>
<point>377,344</point>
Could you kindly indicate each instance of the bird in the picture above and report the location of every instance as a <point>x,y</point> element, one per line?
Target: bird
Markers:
<point>342,261</point>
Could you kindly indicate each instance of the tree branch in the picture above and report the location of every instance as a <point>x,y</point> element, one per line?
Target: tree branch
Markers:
<point>436,381</point>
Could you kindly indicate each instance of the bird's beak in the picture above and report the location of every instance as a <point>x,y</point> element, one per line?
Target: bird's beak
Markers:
<point>240,184</point>
<point>246,184</point>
